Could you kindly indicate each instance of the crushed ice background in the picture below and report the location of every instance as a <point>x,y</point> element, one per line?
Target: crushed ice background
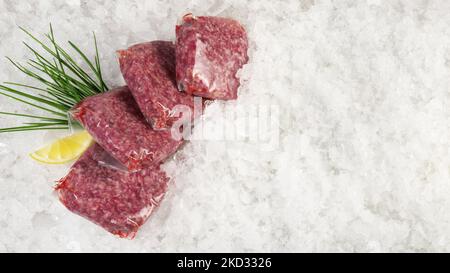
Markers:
<point>363,161</point>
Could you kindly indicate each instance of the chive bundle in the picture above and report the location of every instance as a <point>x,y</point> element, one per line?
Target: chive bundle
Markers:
<point>62,83</point>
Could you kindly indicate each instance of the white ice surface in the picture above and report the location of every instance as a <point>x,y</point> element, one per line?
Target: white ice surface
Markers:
<point>363,158</point>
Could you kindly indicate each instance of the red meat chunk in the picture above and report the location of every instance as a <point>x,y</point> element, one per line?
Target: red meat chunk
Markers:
<point>120,202</point>
<point>209,52</point>
<point>116,124</point>
<point>149,70</point>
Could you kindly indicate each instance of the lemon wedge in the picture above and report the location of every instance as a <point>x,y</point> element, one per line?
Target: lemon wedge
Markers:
<point>64,150</point>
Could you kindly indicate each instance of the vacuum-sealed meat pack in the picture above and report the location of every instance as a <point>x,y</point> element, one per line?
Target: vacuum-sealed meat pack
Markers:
<point>209,52</point>
<point>149,70</point>
<point>119,201</point>
<point>115,122</point>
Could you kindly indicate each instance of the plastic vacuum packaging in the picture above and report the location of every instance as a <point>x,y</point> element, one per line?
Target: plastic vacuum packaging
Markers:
<point>115,122</point>
<point>119,201</point>
<point>209,52</point>
<point>149,70</point>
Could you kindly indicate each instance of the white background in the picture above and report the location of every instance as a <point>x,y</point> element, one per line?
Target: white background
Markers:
<point>363,162</point>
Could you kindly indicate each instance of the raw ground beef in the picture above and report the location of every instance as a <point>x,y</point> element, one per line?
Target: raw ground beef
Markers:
<point>209,52</point>
<point>120,202</point>
<point>115,122</point>
<point>149,70</point>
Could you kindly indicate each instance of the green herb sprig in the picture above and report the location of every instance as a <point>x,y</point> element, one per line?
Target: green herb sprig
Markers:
<point>62,83</point>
